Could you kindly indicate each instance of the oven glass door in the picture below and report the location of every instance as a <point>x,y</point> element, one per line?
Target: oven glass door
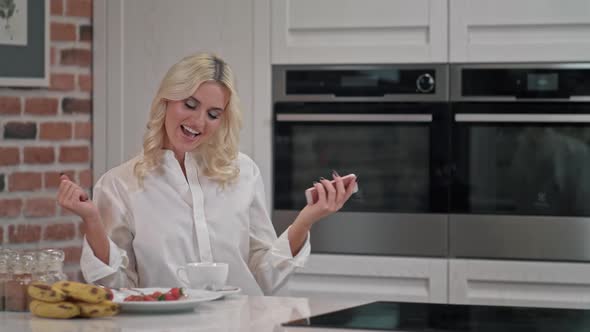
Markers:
<point>521,159</point>
<point>398,151</point>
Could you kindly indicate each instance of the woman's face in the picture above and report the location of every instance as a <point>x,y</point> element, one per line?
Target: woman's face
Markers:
<point>192,121</point>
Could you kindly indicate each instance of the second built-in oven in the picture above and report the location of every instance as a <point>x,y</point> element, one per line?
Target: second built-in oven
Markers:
<point>520,161</point>
<point>389,124</point>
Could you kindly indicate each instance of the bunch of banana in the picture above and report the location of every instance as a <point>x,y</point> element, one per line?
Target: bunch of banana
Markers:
<point>67,299</point>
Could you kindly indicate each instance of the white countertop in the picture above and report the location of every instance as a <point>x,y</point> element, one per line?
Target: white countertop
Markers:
<point>233,313</point>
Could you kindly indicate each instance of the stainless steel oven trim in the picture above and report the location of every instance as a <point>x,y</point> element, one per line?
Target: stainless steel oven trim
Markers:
<point>572,99</point>
<point>519,237</point>
<point>456,81</point>
<point>300,117</point>
<point>402,234</point>
<point>523,118</point>
<point>440,95</point>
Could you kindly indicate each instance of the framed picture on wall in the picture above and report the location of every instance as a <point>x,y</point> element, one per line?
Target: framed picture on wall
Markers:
<point>24,43</point>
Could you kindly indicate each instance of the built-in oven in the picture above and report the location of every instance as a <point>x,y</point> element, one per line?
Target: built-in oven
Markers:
<point>520,161</point>
<point>388,124</point>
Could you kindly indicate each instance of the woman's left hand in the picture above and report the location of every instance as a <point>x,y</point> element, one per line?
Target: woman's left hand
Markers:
<point>331,198</point>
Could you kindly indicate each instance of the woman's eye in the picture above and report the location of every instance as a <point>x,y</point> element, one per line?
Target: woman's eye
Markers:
<point>214,114</point>
<point>190,104</point>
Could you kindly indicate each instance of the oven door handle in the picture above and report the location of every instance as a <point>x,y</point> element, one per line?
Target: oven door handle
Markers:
<point>306,117</point>
<point>524,117</point>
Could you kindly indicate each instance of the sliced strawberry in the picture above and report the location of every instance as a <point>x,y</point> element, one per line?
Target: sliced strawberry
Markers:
<point>176,292</point>
<point>134,298</point>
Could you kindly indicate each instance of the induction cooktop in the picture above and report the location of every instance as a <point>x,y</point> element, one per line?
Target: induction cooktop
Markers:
<point>400,316</point>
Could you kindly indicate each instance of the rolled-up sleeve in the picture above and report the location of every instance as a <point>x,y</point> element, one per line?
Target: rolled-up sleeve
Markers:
<point>271,261</point>
<point>94,269</point>
<point>121,270</point>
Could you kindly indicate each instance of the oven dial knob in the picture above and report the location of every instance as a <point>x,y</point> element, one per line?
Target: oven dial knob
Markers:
<point>425,83</point>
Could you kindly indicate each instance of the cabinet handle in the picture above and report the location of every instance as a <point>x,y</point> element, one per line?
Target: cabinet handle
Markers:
<point>526,117</point>
<point>302,117</point>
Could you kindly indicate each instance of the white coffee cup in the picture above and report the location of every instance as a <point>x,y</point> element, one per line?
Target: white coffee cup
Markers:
<point>201,275</point>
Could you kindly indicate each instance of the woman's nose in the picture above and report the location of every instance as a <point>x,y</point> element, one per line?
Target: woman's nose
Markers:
<point>200,116</point>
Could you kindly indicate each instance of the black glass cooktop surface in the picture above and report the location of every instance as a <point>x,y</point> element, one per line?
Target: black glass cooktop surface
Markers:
<point>397,316</point>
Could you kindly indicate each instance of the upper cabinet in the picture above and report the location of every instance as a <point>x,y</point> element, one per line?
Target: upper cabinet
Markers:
<point>519,31</point>
<point>417,31</point>
<point>359,31</point>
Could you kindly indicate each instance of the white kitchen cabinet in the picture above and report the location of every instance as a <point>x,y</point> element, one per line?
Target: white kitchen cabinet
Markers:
<point>519,283</point>
<point>519,31</point>
<point>359,31</point>
<point>372,278</point>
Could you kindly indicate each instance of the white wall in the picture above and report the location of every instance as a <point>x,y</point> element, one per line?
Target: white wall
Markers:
<point>138,40</point>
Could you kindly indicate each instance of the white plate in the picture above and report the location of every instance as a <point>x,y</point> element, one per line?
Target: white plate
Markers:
<point>189,302</point>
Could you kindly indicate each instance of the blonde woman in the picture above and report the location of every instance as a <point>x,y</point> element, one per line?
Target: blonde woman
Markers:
<point>191,195</point>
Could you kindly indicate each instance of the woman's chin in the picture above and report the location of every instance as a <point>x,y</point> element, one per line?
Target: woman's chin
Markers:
<point>188,148</point>
<point>188,143</point>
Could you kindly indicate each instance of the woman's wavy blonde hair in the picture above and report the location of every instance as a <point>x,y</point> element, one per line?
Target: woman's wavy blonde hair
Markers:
<point>216,156</point>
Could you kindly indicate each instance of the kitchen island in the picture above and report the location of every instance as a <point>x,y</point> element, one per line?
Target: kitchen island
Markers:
<point>266,314</point>
<point>232,313</point>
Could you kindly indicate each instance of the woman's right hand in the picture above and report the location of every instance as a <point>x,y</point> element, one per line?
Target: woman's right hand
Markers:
<point>73,198</point>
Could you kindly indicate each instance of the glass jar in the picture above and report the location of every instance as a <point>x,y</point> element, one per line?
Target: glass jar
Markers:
<point>4,276</point>
<point>8,256</point>
<point>53,264</point>
<point>16,295</point>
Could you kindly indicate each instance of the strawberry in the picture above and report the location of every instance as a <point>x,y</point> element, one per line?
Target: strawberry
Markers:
<point>109,294</point>
<point>176,292</point>
<point>134,298</point>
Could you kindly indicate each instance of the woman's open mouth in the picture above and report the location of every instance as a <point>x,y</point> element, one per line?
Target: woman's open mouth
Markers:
<point>189,132</point>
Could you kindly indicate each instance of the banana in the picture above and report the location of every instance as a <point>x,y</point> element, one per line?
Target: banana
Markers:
<point>54,310</point>
<point>84,292</point>
<point>44,292</point>
<point>103,309</point>
<point>67,299</point>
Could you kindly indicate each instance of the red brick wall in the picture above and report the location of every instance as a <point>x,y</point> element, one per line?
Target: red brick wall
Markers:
<point>46,131</point>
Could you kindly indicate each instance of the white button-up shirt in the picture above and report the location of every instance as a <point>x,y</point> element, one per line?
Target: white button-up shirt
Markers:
<point>174,220</point>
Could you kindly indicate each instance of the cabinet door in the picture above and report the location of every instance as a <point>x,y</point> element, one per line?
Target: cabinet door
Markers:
<point>372,278</point>
<point>518,283</point>
<point>523,30</point>
<point>359,31</point>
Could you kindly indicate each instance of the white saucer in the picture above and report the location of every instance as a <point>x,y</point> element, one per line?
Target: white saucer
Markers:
<point>228,290</point>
